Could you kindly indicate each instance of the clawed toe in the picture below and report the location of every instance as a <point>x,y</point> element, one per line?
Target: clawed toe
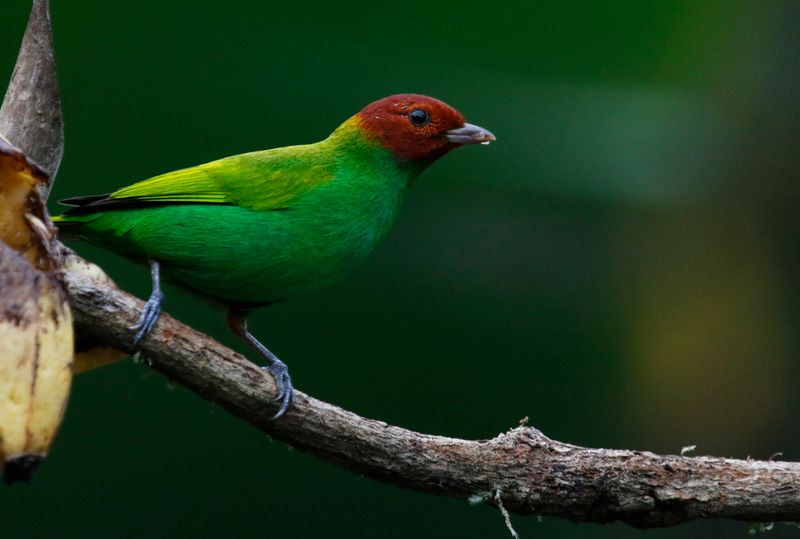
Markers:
<point>283,385</point>
<point>148,318</point>
<point>152,308</point>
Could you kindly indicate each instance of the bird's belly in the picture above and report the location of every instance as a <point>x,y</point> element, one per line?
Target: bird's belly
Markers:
<point>238,255</point>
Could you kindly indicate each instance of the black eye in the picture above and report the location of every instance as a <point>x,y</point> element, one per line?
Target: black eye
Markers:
<point>418,117</point>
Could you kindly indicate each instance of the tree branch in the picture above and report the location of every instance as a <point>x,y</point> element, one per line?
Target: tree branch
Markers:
<point>533,474</point>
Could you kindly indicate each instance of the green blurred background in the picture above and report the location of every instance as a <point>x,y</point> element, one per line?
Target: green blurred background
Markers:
<point>621,266</point>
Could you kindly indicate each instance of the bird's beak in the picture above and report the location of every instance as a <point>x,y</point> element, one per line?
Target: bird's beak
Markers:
<point>469,134</point>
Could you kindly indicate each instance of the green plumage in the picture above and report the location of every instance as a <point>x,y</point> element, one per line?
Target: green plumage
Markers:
<point>262,227</point>
<point>259,227</point>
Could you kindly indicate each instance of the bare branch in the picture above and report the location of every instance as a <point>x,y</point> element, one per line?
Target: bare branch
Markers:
<point>533,474</point>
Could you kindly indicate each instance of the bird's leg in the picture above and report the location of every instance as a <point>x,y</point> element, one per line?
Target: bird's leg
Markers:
<point>237,321</point>
<point>152,309</point>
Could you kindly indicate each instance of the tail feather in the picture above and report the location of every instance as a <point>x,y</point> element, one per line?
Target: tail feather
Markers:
<point>82,201</point>
<point>82,205</point>
<point>85,205</point>
<point>67,227</point>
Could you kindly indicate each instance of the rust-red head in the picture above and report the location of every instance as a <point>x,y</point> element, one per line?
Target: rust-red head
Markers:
<point>417,127</point>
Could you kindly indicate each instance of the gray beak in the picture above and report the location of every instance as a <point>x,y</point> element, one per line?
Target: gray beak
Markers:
<point>469,134</point>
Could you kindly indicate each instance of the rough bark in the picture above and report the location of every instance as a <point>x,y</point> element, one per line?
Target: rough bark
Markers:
<point>533,474</point>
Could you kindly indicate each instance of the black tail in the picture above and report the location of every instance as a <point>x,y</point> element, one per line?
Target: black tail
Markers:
<point>95,203</point>
<point>67,230</point>
<point>80,205</point>
<point>82,201</point>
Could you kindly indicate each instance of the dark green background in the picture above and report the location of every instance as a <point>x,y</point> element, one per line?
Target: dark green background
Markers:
<point>621,266</point>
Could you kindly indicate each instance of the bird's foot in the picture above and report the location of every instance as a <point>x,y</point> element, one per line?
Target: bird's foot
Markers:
<point>149,317</point>
<point>283,384</point>
<point>284,392</point>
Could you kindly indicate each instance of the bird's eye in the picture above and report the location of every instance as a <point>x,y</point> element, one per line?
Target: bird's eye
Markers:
<point>418,117</point>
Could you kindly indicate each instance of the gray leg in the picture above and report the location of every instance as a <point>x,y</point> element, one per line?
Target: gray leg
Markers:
<point>152,309</point>
<point>237,321</point>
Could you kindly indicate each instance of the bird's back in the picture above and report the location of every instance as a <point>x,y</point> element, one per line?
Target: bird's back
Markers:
<point>254,228</point>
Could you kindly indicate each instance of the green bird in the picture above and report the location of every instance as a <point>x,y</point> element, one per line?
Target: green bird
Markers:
<point>261,227</point>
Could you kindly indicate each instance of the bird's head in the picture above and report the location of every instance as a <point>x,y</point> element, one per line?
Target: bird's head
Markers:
<point>419,128</point>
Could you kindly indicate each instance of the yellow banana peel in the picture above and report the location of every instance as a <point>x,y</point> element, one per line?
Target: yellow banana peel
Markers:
<point>36,335</point>
<point>36,344</point>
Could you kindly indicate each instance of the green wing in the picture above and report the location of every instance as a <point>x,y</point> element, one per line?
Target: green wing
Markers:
<point>265,180</point>
<point>196,184</point>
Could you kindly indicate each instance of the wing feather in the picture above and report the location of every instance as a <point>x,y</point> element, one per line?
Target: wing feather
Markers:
<point>266,180</point>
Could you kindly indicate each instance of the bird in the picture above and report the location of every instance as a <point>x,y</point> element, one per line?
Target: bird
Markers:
<point>262,227</point>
